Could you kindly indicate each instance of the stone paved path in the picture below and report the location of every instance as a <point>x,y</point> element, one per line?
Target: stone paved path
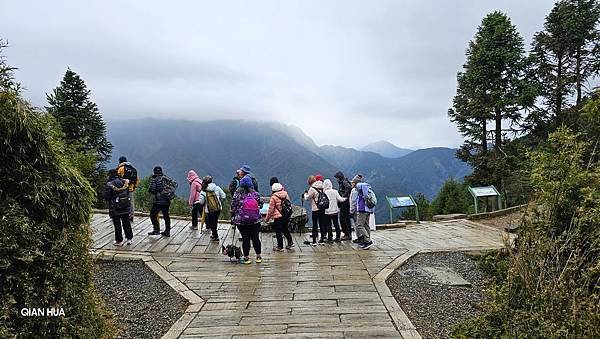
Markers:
<point>326,291</point>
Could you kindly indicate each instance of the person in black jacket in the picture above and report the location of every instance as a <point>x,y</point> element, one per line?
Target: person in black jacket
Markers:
<point>160,204</point>
<point>117,194</point>
<point>345,188</point>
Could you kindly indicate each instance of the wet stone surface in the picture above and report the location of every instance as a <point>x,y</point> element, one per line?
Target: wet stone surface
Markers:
<point>143,305</point>
<point>432,302</point>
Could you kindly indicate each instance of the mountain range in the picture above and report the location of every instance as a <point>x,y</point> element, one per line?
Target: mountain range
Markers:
<point>220,147</point>
<point>386,149</point>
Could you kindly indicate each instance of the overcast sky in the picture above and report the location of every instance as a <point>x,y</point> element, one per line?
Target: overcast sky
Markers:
<point>346,72</point>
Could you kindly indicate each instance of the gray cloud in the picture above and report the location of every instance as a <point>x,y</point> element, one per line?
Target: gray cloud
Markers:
<point>346,72</point>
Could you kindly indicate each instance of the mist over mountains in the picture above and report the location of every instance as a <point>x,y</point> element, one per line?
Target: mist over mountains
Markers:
<point>220,147</point>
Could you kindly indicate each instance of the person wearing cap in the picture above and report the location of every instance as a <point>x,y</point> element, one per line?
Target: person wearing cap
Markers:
<point>318,216</point>
<point>250,230</point>
<point>160,204</point>
<point>344,188</point>
<point>353,196</point>
<point>125,170</point>
<point>280,224</point>
<point>117,194</point>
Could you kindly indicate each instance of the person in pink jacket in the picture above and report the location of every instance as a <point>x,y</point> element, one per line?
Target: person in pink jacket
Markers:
<point>280,224</point>
<point>194,199</point>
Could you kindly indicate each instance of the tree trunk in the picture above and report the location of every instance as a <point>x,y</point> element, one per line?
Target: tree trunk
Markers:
<point>578,77</point>
<point>484,147</point>
<point>498,131</point>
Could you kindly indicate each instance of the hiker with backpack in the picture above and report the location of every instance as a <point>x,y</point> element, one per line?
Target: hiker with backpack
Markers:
<point>163,189</point>
<point>211,197</point>
<point>331,213</point>
<point>363,205</point>
<point>344,188</point>
<point>118,196</point>
<point>319,203</point>
<point>280,209</point>
<point>126,171</point>
<point>194,198</point>
<point>245,213</point>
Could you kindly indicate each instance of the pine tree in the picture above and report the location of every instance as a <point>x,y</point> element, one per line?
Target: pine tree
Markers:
<point>492,88</point>
<point>566,55</point>
<point>83,128</point>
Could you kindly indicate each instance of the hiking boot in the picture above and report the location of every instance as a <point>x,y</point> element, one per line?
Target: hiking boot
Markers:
<point>129,241</point>
<point>194,227</point>
<point>118,243</point>
<point>330,241</point>
<point>358,240</point>
<point>338,240</point>
<point>212,238</point>
<point>246,261</point>
<point>279,249</point>
<point>154,233</point>
<point>314,244</point>
<point>165,234</point>
<point>290,246</point>
<point>258,260</point>
<point>366,245</point>
<point>321,242</point>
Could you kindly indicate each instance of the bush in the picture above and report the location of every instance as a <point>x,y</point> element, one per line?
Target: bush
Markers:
<point>44,230</point>
<point>552,284</point>
<point>453,197</point>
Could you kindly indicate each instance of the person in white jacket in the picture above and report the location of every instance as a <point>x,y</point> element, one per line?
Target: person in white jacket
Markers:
<point>331,214</point>
<point>211,197</point>
<point>318,216</point>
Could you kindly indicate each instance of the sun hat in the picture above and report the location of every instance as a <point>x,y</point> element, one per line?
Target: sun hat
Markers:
<point>246,169</point>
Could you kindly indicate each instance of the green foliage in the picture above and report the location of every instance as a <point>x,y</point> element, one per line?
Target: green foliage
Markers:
<point>143,200</point>
<point>44,229</point>
<point>83,128</point>
<point>551,286</point>
<point>452,198</point>
<point>425,209</point>
<point>491,88</point>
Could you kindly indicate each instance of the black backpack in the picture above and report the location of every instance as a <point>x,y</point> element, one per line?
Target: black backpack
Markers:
<point>286,208</point>
<point>169,187</point>
<point>130,173</point>
<point>121,200</point>
<point>321,199</point>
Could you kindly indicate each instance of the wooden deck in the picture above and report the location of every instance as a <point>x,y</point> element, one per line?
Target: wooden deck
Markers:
<point>328,291</point>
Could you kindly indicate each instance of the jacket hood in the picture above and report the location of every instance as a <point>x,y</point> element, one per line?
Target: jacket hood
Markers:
<point>363,186</point>
<point>211,187</point>
<point>339,176</point>
<point>191,176</point>
<point>317,184</point>
<point>327,185</point>
<point>280,194</point>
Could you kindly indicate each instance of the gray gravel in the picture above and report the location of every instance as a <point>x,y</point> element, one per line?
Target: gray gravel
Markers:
<point>144,306</point>
<point>431,307</point>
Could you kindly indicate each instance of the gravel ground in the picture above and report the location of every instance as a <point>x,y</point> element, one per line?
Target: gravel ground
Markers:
<point>144,306</point>
<point>433,308</point>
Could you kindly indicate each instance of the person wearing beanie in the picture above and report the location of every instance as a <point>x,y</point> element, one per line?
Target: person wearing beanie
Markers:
<point>318,177</point>
<point>211,198</point>
<point>344,189</point>
<point>194,198</point>
<point>318,216</point>
<point>331,214</point>
<point>116,193</point>
<point>161,203</point>
<point>280,224</point>
<point>125,170</point>
<point>245,216</point>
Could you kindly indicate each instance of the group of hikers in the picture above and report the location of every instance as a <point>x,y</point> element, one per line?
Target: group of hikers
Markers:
<point>331,209</point>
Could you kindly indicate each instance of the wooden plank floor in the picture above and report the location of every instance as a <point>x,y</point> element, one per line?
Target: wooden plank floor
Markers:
<point>308,292</point>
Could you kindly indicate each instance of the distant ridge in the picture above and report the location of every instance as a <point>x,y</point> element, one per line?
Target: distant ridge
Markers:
<point>386,149</point>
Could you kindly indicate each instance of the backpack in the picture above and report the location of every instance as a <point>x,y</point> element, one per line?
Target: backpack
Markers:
<point>122,201</point>
<point>130,173</point>
<point>371,199</point>
<point>169,187</point>
<point>212,202</point>
<point>250,213</point>
<point>286,208</point>
<point>321,200</point>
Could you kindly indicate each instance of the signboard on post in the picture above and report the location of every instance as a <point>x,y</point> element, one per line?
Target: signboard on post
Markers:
<point>484,192</point>
<point>400,202</point>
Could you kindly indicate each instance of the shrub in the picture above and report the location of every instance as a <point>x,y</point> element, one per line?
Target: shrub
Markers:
<point>44,230</point>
